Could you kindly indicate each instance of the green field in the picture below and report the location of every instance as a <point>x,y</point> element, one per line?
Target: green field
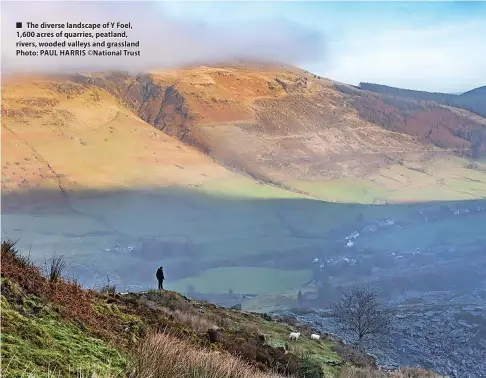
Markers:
<point>244,280</point>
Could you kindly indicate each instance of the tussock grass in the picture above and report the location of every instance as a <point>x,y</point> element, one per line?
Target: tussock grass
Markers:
<point>55,267</point>
<point>162,356</point>
<point>8,248</point>
<point>74,302</point>
<point>5,371</point>
<point>196,322</point>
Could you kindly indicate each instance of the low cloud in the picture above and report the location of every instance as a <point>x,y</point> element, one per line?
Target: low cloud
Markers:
<point>164,40</point>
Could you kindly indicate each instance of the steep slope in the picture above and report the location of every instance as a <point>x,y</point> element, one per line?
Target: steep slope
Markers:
<point>285,126</point>
<point>53,326</point>
<point>277,124</point>
<point>59,133</point>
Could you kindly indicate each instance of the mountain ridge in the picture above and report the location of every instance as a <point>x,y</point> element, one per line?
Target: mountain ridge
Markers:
<point>473,100</point>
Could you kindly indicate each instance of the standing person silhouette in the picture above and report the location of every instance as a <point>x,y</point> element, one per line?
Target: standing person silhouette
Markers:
<point>160,277</point>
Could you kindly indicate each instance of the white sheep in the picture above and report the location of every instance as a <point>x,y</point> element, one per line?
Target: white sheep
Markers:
<point>315,337</point>
<point>294,335</point>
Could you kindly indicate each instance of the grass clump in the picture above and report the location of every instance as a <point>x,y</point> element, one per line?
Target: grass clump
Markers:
<point>8,248</point>
<point>197,323</point>
<point>162,356</point>
<point>73,301</point>
<point>54,269</point>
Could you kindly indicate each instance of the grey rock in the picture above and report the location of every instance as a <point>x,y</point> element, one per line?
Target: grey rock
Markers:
<point>439,342</point>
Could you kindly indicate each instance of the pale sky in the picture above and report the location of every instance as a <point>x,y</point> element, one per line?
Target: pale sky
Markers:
<point>434,46</point>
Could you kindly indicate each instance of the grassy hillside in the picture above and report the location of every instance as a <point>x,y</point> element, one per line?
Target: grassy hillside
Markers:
<point>62,135</point>
<point>51,326</point>
<point>280,125</point>
<point>246,130</point>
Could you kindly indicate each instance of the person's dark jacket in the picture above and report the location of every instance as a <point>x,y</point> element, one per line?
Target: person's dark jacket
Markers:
<point>160,274</point>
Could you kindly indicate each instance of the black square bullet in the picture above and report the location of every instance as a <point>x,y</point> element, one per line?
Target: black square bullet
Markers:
<point>19,25</point>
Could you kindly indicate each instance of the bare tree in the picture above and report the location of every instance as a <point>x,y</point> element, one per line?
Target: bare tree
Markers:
<point>360,313</point>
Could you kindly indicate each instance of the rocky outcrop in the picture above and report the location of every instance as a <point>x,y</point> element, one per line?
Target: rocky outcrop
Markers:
<point>298,85</point>
<point>160,105</point>
<point>449,339</point>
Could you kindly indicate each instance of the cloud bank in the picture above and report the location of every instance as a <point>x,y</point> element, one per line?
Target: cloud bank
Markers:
<point>165,41</point>
<point>434,46</point>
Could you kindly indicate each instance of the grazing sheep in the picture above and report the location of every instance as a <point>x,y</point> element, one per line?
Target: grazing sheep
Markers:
<point>315,337</point>
<point>294,335</point>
